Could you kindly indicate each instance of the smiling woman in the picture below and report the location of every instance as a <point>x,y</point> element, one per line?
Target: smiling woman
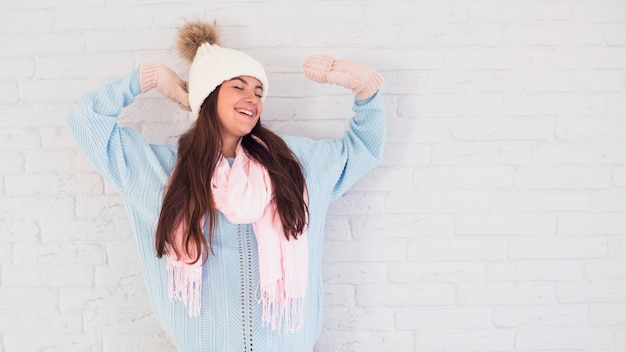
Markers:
<point>239,107</point>
<point>230,223</point>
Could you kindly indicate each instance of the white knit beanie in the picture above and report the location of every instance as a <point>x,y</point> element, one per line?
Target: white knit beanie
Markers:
<point>212,65</point>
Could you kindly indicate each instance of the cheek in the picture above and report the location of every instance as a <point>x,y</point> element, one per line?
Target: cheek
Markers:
<point>222,109</point>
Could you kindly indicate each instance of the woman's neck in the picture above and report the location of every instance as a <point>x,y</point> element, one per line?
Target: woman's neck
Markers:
<point>229,147</point>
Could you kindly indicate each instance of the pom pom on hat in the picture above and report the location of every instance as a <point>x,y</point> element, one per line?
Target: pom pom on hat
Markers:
<point>212,65</point>
<point>192,35</point>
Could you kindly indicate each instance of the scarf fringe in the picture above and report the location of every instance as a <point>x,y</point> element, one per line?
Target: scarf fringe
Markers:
<point>184,284</point>
<point>243,193</point>
<point>281,312</point>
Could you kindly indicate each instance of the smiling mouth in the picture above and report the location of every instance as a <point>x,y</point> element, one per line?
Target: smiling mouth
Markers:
<point>244,111</point>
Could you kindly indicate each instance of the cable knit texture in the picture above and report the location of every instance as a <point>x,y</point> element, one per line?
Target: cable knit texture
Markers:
<point>231,316</point>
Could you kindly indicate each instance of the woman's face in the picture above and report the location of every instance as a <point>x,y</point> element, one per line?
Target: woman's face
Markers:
<point>239,106</point>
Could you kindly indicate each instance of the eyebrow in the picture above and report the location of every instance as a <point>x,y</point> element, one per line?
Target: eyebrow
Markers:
<point>246,82</point>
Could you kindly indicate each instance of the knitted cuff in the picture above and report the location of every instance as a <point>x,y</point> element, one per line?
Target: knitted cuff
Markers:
<point>147,76</point>
<point>371,87</point>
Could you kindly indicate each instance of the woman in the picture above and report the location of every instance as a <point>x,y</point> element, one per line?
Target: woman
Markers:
<point>236,213</point>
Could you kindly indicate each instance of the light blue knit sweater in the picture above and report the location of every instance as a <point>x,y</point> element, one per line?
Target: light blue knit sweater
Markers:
<point>230,318</point>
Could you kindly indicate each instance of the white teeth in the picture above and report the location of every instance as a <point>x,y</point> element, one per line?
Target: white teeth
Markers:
<point>247,112</point>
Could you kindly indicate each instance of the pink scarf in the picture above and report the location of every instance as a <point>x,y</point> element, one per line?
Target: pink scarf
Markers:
<point>243,193</point>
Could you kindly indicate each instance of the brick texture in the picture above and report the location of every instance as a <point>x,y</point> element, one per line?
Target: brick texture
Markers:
<point>495,223</point>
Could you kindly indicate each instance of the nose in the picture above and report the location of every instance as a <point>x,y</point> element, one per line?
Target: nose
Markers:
<point>251,96</point>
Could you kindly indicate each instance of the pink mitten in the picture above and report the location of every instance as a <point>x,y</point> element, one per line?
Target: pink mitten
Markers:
<point>166,81</point>
<point>363,80</point>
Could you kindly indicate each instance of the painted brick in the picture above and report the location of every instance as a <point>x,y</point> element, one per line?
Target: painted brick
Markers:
<point>445,318</point>
<point>589,57</point>
<point>515,129</point>
<point>67,19</point>
<point>540,315</point>
<point>540,201</point>
<point>536,270</point>
<point>411,129</point>
<point>137,342</point>
<point>559,104</point>
<point>473,81</point>
<point>12,162</point>
<point>75,342</point>
<point>30,21</point>
<point>591,224</point>
<point>360,319</point>
<point>579,177</point>
<point>614,33</point>
<point>371,341</point>
<point>509,293</point>
<point>339,295</point>
<point>442,271</point>
<point>606,269</point>
<point>37,115</point>
<point>6,254</point>
<point>95,229</point>
<point>401,226</point>
<point>57,253</point>
<point>435,201</point>
<point>53,184</point>
<point>581,153</point>
<point>610,129</point>
<point>493,223</point>
<point>493,153</point>
<point>445,105</point>
<point>463,177</point>
<point>480,339</point>
<point>564,338</point>
<point>355,273</point>
<point>574,81</point>
<point>63,161</point>
<point>30,208</point>
<point>31,298</point>
<point>451,249</point>
<point>56,275</point>
<point>596,291</point>
<point>518,224</point>
<point>103,299</point>
<point>18,231</point>
<point>384,250</point>
<point>11,68</point>
<point>550,34</point>
<point>25,45</point>
<point>52,322</point>
<point>406,295</point>
<point>599,11</point>
<point>129,321</point>
<point>603,314</point>
<point>13,139</point>
<point>557,248</point>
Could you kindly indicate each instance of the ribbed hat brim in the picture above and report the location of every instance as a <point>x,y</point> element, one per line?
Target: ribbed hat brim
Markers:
<point>213,65</point>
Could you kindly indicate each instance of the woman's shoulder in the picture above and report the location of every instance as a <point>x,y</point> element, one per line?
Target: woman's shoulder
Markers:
<point>299,145</point>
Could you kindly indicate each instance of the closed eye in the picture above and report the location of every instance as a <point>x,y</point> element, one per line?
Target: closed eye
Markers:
<point>243,81</point>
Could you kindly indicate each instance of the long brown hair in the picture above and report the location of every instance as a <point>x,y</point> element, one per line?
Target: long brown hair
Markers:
<point>188,197</point>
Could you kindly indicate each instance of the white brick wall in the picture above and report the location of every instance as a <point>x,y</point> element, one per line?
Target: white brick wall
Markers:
<point>495,223</point>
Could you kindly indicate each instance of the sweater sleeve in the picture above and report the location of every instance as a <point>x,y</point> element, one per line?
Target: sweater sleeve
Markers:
<point>339,163</point>
<point>112,150</point>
